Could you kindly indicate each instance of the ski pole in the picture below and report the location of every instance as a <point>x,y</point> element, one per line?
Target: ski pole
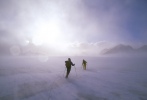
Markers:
<point>64,71</point>
<point>75,71</point>
<point>87,65</point>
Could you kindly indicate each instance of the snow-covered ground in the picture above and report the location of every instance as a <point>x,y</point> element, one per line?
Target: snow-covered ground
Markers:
<point>42,78</point>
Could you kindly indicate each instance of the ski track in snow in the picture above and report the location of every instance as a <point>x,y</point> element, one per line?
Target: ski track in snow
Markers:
<point>25,78</point>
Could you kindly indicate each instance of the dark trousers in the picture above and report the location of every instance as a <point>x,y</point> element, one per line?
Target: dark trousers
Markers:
<point>68,70</point>
<point>84,66</point>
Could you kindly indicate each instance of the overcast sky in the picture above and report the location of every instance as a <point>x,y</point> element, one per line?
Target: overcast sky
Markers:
<point>56,22</point>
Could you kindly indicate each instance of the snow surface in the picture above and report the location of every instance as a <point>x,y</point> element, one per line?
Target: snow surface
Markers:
<point>106,78</point>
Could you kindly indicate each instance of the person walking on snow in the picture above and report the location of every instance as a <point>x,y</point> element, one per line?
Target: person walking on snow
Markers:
<point>68,65</point>
<point>84,63</point>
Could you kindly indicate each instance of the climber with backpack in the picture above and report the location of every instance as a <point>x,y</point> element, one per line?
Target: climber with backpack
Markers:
<point>84,63</point>
<point>68,65</point>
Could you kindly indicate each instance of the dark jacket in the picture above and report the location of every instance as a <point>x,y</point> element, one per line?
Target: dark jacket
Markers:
<point>69,64</point>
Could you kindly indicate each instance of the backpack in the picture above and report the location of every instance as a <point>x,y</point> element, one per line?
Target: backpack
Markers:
<point>67,63</point>
<point>84,62</point>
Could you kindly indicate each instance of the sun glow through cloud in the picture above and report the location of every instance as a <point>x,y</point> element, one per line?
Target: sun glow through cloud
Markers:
<point>51,33</point>
<point>48,32</point>
<point>53,26</point>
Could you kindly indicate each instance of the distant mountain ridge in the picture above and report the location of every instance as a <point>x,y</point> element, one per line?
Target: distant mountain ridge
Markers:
<point>124,49</point>
<point>143,48</point>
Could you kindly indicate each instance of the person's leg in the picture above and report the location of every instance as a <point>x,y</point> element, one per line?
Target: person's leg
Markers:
<point>84,67</point>
<point>68,71</point>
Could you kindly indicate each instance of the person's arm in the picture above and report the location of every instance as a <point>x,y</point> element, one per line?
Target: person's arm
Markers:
<point>72,64</point>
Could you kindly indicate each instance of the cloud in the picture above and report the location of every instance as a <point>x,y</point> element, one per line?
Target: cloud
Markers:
<point>88,49</point>
<point>4,49</point>
<point>80,20</point>
<point>95,24</point>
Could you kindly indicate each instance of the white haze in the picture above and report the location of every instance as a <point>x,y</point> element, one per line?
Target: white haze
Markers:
<point>27,24</point>
<point>42,78</point>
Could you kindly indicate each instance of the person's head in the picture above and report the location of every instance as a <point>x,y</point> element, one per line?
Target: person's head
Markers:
<point>69,59</point>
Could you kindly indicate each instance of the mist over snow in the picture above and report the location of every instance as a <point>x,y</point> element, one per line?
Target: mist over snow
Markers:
<point>41,78</point>
<point>101,48</point>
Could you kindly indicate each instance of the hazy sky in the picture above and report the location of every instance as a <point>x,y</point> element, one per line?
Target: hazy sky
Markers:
<point>61,22</point>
